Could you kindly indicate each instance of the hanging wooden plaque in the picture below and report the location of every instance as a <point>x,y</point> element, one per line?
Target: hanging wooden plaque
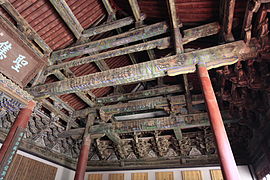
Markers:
<point>17,60</point>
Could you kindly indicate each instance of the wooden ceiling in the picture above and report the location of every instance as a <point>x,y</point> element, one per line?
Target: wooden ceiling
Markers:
<point>60,29</point>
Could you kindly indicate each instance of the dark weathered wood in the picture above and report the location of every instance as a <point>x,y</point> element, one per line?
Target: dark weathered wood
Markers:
<point>23,25</point>
<point>141,94</point>
<point>107,27</point>
<point>135,9</point>
<point>110,42</point>
<point>57,112</point>
<point>226,17</point>
<point>190,35</point>
<point>112,15</point>
<point>182,121</point>
<point>81,95</point>
<point>173,104</point>
<point>177,35</point>
<point>173,65</point>
<point>67,15</point>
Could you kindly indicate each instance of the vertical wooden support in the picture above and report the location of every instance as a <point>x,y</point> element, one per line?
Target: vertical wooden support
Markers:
<point>83,157</point>
<point>228,165</point>
<point>14,137</point>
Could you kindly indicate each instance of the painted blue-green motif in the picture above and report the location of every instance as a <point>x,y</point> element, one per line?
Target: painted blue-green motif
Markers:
<point>7,161</point>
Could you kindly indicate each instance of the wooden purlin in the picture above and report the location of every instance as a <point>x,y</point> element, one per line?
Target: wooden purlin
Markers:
<point>110,42</point>
<point>173,65</point>
<point>190,35</point>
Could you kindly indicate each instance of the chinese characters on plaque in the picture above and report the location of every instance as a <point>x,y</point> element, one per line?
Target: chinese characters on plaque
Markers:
<point>19,62</point>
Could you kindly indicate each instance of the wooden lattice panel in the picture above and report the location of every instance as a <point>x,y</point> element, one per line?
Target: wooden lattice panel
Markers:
<point>116,176</point>
<point>139,176</point>
<point>191,175</point>
<point>95,177</point>
<point>23,168</point>
<point>164,176</point>
<point>216,174</point>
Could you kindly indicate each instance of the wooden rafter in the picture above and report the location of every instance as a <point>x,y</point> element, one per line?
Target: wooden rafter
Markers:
<point>25,28</point>
<point>69,18</point>
<point>173,65</point>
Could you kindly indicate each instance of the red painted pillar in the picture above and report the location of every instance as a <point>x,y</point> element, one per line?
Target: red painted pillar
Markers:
<point>228,165</point>
<point>83,158</point>
<point>15,134</point>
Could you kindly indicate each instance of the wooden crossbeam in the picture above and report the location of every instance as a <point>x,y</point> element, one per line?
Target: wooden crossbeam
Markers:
<point>110,42</point>
<point>157,103</point>
<point>141,94</point>
<point>172,65</point>
<point>153,124</point>
<point>140,104</point>
<point>190,35</point>
<point>112,15</point>
<point>67,15</point>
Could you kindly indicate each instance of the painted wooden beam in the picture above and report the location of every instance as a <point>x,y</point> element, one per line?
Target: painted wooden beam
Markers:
<point>182,121</point>
<point>67,15</point>
<point>141,94</point>
<point>173,65</point>
<point>110,42</point>
<point>107,27</point>
<point>169,104</point>
<point>112,15</point>
<point>190,35</point>
<point>81,95</point>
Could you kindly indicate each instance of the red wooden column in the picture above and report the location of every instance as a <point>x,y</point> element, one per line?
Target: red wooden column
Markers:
<point>14,137</point>
<point>83,158</point>
<point>228,165</point>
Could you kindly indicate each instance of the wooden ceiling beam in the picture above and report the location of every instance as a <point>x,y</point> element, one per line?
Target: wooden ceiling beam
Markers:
<point>173,65</point>
<point>153,124</point>
<point>81,95</point>
<point>111,13</point>
<point>110,42</point>
<point>190,35</point>
<point>226,17</point>
<point>141,94</point>
<point>108,26</point>
<point>69,18</point>
<point>178,40</point>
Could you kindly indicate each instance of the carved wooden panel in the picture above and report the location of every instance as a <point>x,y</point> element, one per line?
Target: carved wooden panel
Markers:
<point>95,177</point>
<point>23,168</point>
<point>139,176</point>
<point>216,174</point>
<point>116,176</point>
<point>191,175</point>
<point>164,176</point>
